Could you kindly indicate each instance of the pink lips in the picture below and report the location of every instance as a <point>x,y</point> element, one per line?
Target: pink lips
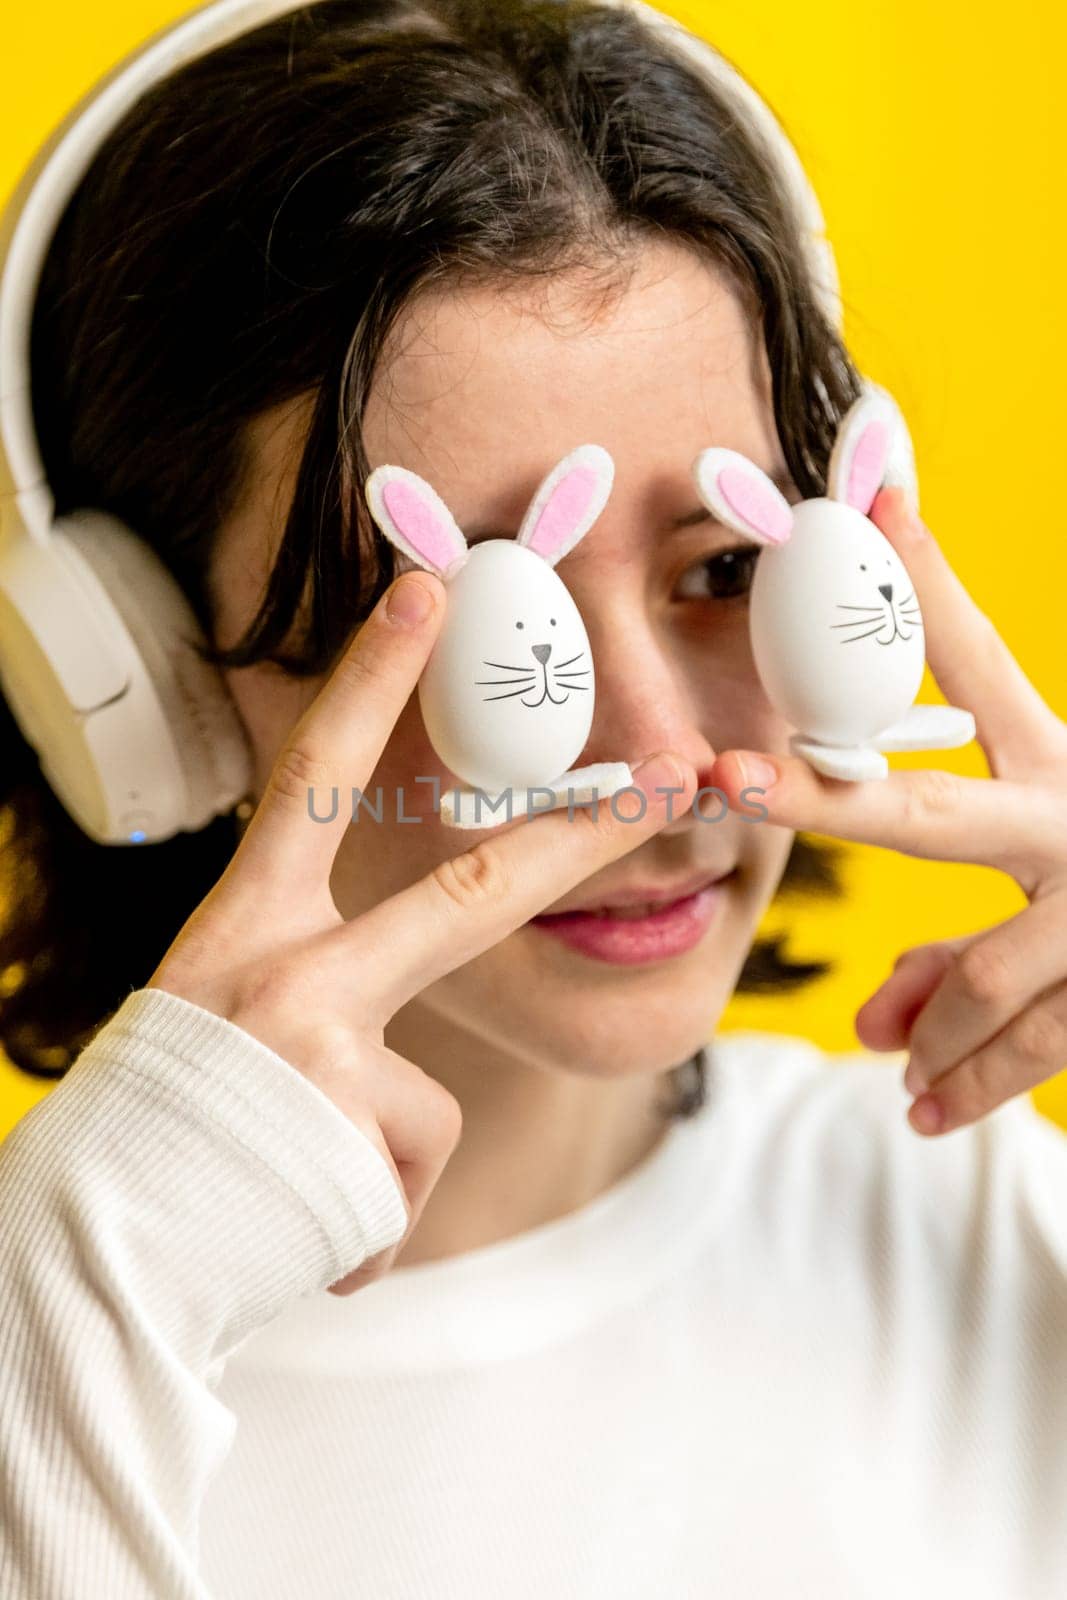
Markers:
<point>670,930</point>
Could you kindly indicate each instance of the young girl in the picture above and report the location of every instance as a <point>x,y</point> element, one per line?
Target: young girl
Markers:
<point>639,1310</point>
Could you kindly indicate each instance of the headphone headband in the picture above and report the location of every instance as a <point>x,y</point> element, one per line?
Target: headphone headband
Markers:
<point>48,184</point>
<point>34,211</point>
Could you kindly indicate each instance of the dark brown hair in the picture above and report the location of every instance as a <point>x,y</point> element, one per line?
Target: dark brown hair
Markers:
<point>249,234</point>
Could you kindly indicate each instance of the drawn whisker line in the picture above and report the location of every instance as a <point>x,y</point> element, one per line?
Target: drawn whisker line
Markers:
<point>857,608</point>
<point>527,678</point>
<point>860,622</point>
<point>510,696</point>
<point>583,688</point>
<point>509,666</point>
<point>867,635</point>
<point>574,672</point>
<point>569,659</point>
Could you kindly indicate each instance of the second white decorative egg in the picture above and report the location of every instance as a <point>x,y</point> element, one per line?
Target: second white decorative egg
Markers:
<point>836,630</point>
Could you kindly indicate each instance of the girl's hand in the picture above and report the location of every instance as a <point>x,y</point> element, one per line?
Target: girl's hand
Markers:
<point>268,950</point>
<point>984,1015</point>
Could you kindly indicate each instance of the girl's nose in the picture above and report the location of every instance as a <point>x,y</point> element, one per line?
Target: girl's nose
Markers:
<point>646,701</point>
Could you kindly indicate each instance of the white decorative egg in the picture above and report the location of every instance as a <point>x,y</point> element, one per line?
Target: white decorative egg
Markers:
<point>834,621</point>
<point>837,634</point>
<point>507,693</point>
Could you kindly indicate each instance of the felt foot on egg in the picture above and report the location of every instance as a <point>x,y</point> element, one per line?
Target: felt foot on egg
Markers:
<point>928,728</point>
<point>601,780</point>
<point>853,762</point>
<point>476,808</point>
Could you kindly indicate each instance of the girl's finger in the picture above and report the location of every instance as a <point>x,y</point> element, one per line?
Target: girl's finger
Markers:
<point>996,978</point>
<point>885,1020</point>
<point>1018,731</point>
<point>1031,1049</point>
<point>337,743</point>
<point>421,1122</point>
<point>474,899</point>
<point>927,812</point>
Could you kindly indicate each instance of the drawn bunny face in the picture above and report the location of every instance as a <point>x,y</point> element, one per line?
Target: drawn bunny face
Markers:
<point>507,694</point>
<point>836,629</point>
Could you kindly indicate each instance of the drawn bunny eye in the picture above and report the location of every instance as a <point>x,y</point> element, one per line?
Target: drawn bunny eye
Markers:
<point>519,624</point>
<point>863,566</point>
<point>552,620</point>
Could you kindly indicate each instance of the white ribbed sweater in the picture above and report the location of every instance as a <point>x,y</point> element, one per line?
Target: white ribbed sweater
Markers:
<point>800,1351</point>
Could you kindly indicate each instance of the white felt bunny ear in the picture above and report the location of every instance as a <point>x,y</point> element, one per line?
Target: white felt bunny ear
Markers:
<point>567,503</point>
<point>900,469</point>
<point>415,518</point>
<point>860,455</point>
<point>735,490</point>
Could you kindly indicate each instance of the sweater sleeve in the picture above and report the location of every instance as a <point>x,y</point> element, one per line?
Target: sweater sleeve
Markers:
<point>177,1188</point>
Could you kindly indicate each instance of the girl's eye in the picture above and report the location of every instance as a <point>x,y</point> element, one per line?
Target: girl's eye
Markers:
<point>724,576</point>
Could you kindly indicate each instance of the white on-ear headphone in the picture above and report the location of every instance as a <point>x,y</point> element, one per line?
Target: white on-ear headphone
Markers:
<point>137,735</point>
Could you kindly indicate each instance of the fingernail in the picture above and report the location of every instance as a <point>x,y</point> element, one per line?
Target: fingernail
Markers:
<point>657,772</point>
<point>757,771</point>
<point>914,1077</point>
<point>410,601</point>
<point>927,1115</point>
<point>915,528</point>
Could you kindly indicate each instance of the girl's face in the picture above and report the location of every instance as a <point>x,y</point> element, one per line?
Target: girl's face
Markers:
<point>481,392</point>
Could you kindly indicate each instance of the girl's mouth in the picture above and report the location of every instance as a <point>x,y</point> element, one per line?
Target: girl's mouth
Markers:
<point>632,935</point>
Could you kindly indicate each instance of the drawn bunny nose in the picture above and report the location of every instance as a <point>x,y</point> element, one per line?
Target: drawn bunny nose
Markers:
<point>542,652</point>
<point>886,589</point>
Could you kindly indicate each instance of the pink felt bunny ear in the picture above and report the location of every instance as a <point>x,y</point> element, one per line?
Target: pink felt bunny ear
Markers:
<point>860,454</point>
<point>415,518</point>
<point>735,490</point>
<point>567,503</point>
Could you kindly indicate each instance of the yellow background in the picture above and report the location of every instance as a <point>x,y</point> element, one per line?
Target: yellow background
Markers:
<point>935,139</point>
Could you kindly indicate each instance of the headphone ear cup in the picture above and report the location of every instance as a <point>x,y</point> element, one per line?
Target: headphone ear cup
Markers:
<point>197,709</point>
